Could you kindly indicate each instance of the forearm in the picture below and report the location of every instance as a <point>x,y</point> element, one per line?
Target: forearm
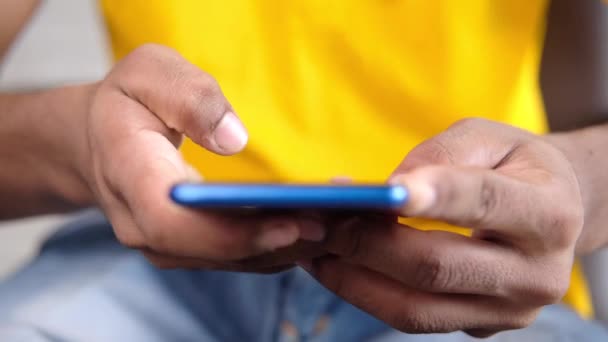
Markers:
<point>42,152</point>
<point>587,150</point>
<point>13,16</point>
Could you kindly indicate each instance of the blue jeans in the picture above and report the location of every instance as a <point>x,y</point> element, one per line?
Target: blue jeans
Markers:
<point>85,287</point>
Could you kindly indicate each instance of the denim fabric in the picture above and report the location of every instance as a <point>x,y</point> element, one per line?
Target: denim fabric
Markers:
<point>85,287</point>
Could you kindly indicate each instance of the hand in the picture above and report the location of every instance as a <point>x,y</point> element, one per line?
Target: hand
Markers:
<point>135,124</point>
<point>520,197</point>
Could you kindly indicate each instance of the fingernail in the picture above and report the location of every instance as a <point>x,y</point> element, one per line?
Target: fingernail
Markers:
<point>230,134</point>
<point>421,194</point>
<point>276,235</point>
<point>311,230</point>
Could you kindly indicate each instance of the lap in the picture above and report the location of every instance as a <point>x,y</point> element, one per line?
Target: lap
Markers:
<point>556,323</point>
<point>85,287</point>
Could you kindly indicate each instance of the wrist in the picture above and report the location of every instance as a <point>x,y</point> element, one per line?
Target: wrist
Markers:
<point>46,149</point>
<point>569,144</point>
<point>585,150</point>
<point>73,146</point>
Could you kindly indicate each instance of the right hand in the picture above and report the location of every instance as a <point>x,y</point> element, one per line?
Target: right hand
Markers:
<point>137,117</point>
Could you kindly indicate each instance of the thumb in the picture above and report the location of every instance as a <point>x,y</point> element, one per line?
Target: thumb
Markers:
<point>183,97</point>
<point>469,142</point>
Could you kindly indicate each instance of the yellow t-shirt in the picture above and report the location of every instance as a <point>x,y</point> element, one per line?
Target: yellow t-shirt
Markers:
<point>328,87</point>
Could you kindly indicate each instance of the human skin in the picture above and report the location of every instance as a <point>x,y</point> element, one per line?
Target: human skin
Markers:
<point>532,201</point>
<point>114,144</point>
<point>573,67</point>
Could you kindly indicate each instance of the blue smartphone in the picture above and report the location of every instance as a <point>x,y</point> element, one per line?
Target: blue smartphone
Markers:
<point>387,198</point>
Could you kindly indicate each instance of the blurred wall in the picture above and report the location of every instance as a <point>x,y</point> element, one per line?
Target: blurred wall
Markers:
<point>64,43</point>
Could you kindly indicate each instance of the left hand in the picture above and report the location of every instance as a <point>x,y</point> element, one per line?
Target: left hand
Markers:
<point>130,133</point>
<point>520,197</point>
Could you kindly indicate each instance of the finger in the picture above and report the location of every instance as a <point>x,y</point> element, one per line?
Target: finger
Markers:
<point>479,198</point>
<point>339,216</point>
<point>469,142</point>
<point>171,229</point>
<point>433,261</point>
<point>414,311</point>
<point>289,255</point>
<point>145,183</point>
<point>171,262</point>
<point>265,263</point>
<point>443,262</point>
<point>184,97</point>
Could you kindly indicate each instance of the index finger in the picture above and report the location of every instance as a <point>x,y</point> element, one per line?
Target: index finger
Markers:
<point>141,170</point>
<point>182,96</point>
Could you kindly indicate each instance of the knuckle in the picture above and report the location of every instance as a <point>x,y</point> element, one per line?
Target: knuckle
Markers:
<point>520,320</point>
<point>145,50</point>
<point>353,244</point>
<point>204,86</point>
<point>129,239</point>
<point>505,320</point>
<point>468,122</point>
<point>145,60</point>
<point>546,282</point>
<point>144,53</point>
<point>337,283</point>
<point>446,195</point>
<point>208,85</point>
<point>552,292</point>
<point>149,48</point>
<point>128,234</point>
<point>565,224</point>
<point>488,201</point>
<point>413,322</point>
<point>441,149</point>
<point>332,277</point>
<point>157,235</point>
<point>190,105</point>
<point>432,272</point>
<point>410,324</point>
<point>229,243</point>
<point>435,151</point>
<point>154,53</point>
<point>203,98</point>
<point>158,240</point>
